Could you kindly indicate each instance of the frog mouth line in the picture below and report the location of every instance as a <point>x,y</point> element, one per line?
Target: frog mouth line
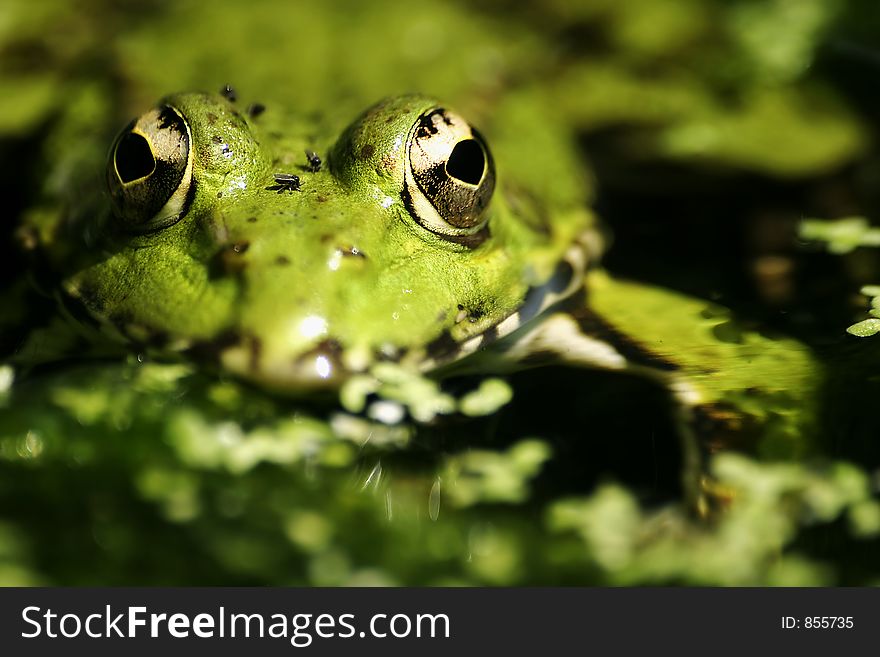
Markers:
<point>566,279</point>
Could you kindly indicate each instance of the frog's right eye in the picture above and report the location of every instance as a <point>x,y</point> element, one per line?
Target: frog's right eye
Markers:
<point>149,172</point>
<point>450,176</point>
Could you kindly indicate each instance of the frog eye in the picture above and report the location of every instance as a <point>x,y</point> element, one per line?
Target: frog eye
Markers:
<point>149,172</point>
<point>450,175</point>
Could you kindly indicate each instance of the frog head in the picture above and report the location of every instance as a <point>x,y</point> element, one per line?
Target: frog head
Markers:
<point>295,253</point>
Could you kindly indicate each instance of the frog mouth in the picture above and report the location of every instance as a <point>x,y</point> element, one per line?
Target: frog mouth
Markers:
<point>566,279</point>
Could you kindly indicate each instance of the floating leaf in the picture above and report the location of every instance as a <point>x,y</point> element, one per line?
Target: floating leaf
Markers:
<point>865,328</point>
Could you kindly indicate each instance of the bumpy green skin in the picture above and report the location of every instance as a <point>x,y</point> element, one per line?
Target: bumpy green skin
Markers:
<point>336,270</point>
<point>745,382</point>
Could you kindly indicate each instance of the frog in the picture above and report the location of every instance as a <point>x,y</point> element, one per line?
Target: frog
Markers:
<point>286,241</point>
<point>299,255</point>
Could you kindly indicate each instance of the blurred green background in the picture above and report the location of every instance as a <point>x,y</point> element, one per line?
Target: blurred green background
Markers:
<point>707,129</point>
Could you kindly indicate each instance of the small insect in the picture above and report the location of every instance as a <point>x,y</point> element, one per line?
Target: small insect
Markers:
<point>229,93</point>
<point>314,161</point>
<point>255,109</point>
<point>285,182</point>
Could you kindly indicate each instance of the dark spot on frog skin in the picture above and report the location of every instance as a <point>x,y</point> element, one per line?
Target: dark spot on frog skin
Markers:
<point>472,315</point>
<point>224,147</point>
<point>255,109</point>
<point>229,259</point>
<point>712,311</point>
<point>211,117</point>
<point>389,163</point>
<point>229,93</point>
<point>252,220</point>
<point>282,261</point>
<point>367,151</point>
<point>219,194</point>
<point>320,198</point>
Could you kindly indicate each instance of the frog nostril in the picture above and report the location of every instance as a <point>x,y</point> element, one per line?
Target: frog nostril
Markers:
<point>467,162</point>
<point>134,159</point>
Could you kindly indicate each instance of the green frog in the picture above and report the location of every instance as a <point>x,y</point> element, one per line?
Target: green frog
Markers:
<point>297,253</point>
<point>294,242</point>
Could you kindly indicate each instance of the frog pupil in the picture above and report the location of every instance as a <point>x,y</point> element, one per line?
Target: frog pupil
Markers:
<point>134,159</point>
<point>467,162</point>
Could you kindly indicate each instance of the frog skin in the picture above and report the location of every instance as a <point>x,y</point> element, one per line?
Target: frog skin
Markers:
<point>389,251</point>
<point>298,286</point>
<point>295,254</point>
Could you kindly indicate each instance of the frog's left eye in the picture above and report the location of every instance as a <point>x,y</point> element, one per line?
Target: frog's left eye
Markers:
<point>450,175</point>
<point>149,172</point>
